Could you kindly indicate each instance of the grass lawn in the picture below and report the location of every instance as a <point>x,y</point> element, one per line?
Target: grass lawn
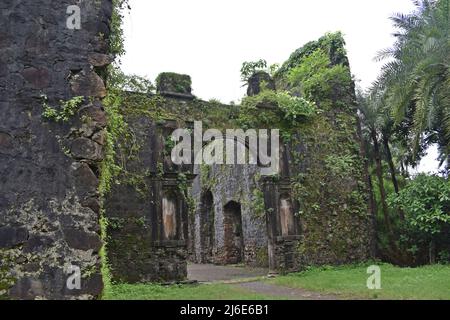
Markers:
<point>348,282</point>
<point>430,282</point>
<point>179,292</point>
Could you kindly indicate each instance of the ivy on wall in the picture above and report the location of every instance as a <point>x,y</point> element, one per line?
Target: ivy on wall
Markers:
<point>116,126</point>
<point>66,110</point>
<point>330,187</point>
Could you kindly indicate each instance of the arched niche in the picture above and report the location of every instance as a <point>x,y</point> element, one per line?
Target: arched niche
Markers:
<point>169,215</point>
<point>234,238</point>
<point>207,234</point>
<point>287,219</point>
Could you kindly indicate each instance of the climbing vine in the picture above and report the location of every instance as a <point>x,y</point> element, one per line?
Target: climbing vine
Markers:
<point>184,188</point>
<point>66,110</point>
<point>116,46</point>
<point>258,206</point>
<point>115,129</point>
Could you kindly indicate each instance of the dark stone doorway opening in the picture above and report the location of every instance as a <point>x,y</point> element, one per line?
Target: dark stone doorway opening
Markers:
<point>233,233</point>
<point>207,227</point>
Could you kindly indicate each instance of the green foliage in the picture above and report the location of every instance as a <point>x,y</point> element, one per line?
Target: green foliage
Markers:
<point>426,204</point>
<point>183,186</point>
<point>341,166</point>
<point>120,81</point>
<point>329,187</point>
<point>105,268</point>
<point>289,110</point>
<point>273,69</point>
<point>65,112</point>
<point>160,170</point>
<point>250,68</point>
<point>116,129</point>
<point>7,279</point>
<point>423,236</point>
<point>294,108</point>
<point>180,82</point>
<point>169,144</point>
<point>109,169</point>
<point>333,45</point>
<point>316,78</point>
<point>258,206</point>
<point>137,181</point>
<point>120,143</point>
<point>416,79</point>
<point>116,45</point>
<point>271,109</point>
<point>140,222</point>
<point>214,101</point>
<point>205,172</point>
<point>116,223</point>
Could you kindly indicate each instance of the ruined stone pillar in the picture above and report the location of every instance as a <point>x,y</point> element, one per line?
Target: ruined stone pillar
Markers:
<point>269,191</point>
<point>51,146</point>
<point>258,82</point>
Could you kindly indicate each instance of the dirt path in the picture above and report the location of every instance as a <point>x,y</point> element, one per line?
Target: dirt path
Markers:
<point>284,292</point>
<point>213,273</point>
<point>250,279</point>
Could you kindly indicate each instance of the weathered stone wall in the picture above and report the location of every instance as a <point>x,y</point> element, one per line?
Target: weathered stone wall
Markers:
<point>321,178</point>
<point>49,209</point>
<point>329,179</point>
<point>137,247</point>
<point>137,251</point>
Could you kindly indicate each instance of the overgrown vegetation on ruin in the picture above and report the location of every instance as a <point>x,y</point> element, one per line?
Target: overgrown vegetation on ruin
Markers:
<point>315,108</point>
<point>116,127</point>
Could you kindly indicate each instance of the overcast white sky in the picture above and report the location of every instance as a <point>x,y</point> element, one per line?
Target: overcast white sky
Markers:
<point>209,39</point>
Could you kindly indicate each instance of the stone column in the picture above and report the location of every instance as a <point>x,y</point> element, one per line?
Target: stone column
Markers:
<point>270,202</point>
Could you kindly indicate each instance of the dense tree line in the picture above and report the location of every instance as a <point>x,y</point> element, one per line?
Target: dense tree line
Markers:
<point>405,112</point>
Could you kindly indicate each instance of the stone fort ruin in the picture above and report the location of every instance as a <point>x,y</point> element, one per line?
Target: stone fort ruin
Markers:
<point>157,216</point>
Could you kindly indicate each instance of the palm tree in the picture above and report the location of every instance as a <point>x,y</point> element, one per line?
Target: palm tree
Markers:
<point>365,150</point>
<point>387,127</point>
<point>418,73</point>
<point>369,112</point>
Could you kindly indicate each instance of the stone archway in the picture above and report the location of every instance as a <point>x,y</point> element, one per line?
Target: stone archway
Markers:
<point>233,233</point>
<point>207,235</point>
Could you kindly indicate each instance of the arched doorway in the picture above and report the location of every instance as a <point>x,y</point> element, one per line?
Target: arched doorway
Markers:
<point>234,240</point>
<point>207,227</point>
